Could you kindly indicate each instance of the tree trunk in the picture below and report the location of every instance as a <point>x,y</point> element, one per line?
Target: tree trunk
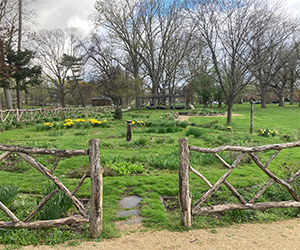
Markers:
<point>292,94</point>
<point>263,92</point>
<point>281,99</point>
<point>8,99</point>
<point>62,97</point>
<point>229,112</point>
<point>19,96</point>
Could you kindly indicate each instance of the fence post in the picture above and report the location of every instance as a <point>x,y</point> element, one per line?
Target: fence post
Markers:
<point>183,174</point>
<point>128,132</point>
<point>96,189</point>
<point>251,117</point>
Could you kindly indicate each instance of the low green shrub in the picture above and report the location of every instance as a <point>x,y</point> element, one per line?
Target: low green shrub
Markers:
<point>40,127</point>
<point>197,133</point>
<point>56,206</point>
<point>183,124</point>
<point>28,123</point>
<point>87,125</point>
<point>142,141</point>
<point>162,130</point>
<point>286,137</point>
<point>78,125</point>
<point>170,130</point>
<point>8,126</point>
<point>19,124</point>
<point>170,161</point>
<point>208,124</point>
<point>80,133</point>
<point>56,133</point>
<point>8,193</point>
<point>56,118</point>
<point>34,144</point>
<point>151,130</point>
<point>125,168</point>
<point>58,125</point>
<point>104,124</point>
<point>40,121</point>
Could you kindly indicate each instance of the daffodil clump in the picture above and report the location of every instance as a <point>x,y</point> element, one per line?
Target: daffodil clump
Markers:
<point>138,123</point>
<point>94,122</point>
<point>268,132</point>
<point>48,125</point>
<point>68,123</point>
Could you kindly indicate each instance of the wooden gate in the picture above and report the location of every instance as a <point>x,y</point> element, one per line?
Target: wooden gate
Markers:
<point>95,171</point>
<point>186,210</point>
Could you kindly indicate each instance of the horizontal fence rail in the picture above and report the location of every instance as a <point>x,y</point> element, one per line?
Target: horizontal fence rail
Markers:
<point>185,199</point>
<point>95,172</point>
<point>19,115</point>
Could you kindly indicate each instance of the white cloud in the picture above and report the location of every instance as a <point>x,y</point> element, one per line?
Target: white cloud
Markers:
<point>84,24</point>
<point>63,13</point>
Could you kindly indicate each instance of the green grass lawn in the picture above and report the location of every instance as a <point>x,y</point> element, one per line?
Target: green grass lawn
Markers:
<point>155,150</point>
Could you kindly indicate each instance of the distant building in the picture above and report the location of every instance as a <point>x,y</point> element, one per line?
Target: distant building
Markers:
<point>101,101</point>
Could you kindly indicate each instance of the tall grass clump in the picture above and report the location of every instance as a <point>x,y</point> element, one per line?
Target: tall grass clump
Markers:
<point>56,206</point>
<point>8,193</point>
<point>197,133</point>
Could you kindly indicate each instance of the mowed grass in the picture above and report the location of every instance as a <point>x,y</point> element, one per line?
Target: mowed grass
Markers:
<point>158,153</point>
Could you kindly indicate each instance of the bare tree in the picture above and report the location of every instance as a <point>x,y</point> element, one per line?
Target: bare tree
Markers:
<point>153,33</point>
<point>276,30</point>
<point>287,75</point>
<point>228,27</point>
<point>51,46</point>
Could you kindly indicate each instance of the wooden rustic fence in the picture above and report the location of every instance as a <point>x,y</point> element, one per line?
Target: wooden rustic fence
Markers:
<point>95,171</point>
<point>185,198</point>
<point>20,115</point>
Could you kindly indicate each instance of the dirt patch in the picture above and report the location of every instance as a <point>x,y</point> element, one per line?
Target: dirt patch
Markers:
<point>185,117</point>
<point>271,236</point>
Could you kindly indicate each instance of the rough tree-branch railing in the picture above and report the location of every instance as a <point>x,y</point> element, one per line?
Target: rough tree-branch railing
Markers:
<point>19,115</point>
<point>185,199</point>
<point>95,171</point>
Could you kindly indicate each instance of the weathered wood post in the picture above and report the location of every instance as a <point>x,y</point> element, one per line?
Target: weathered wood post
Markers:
<point>183,174</point>
<point>96,189</point>
<point>128,131</point>
<point>251,117</point>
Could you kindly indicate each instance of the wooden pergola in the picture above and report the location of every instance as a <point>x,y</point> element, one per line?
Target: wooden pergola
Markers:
<point>157,99</point>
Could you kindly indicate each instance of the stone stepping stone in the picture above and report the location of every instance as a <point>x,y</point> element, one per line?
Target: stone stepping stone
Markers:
<point>130,201</point>
<point>128,212</point>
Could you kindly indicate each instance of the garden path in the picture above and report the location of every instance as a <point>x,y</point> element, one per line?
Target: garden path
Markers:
<point>272,236</point>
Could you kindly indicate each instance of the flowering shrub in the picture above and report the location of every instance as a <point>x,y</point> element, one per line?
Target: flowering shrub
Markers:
<point>94,122</point>
<point>268,132</point>
<point>138,123</point>
<point>68,123</point>
<point>219,127</point>
<point>48,125</point>
<point>104,123</point>
<point>228,128</point>
<point>222,127</point>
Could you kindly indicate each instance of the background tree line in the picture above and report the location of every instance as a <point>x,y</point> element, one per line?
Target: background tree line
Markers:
<point>203,50</point>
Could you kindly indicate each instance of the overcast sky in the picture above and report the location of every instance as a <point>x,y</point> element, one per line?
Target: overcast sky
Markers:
<point>64,13</point>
